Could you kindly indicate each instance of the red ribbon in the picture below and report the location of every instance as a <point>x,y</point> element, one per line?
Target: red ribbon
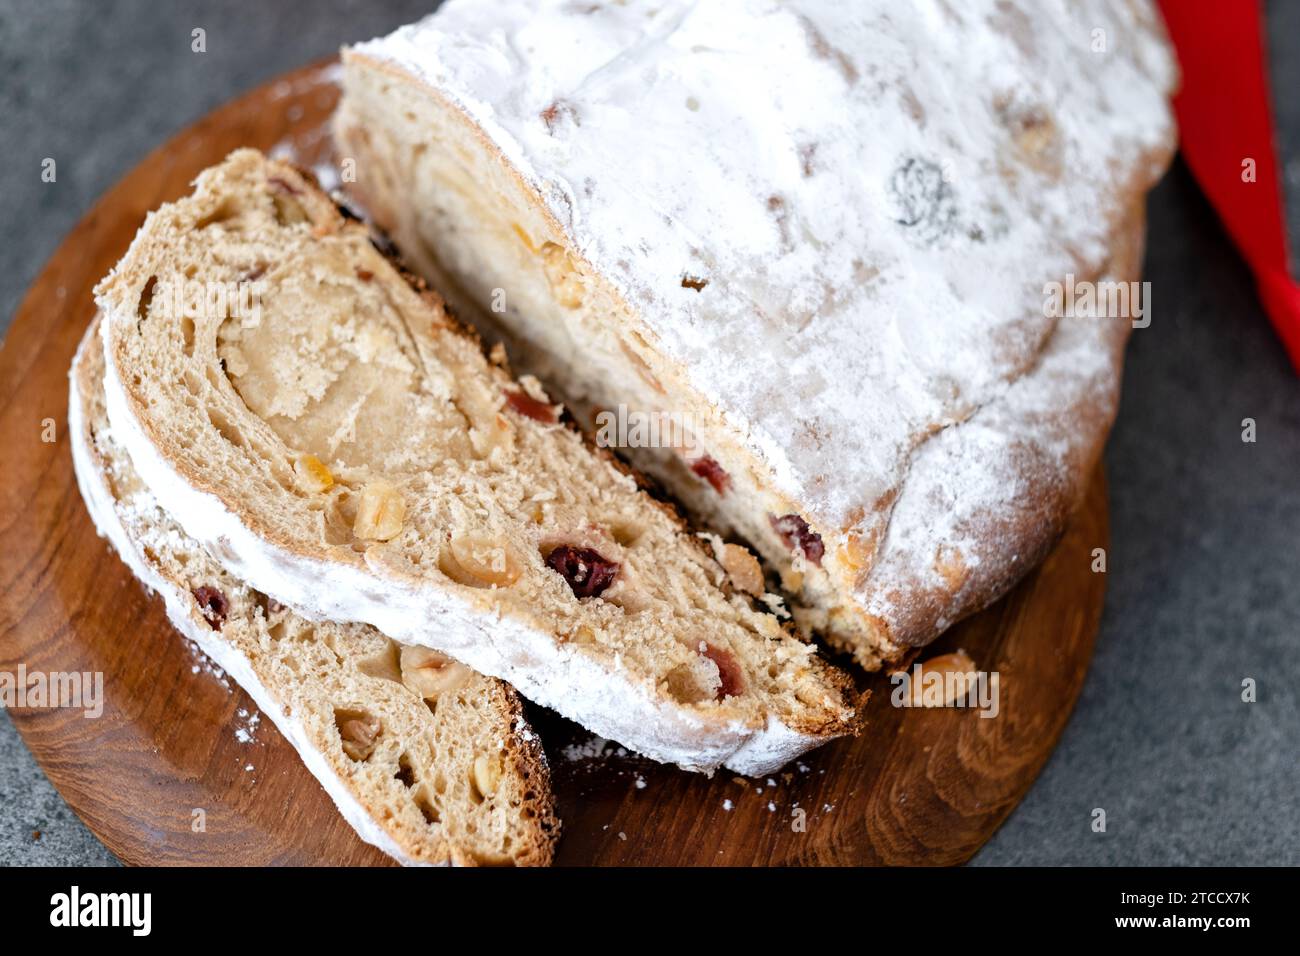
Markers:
<point>1226,131</point>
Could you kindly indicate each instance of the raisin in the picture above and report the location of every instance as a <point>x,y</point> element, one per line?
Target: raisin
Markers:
<point>587,572</point>
<point>213,605</point>
<point>729,671</point>
<point>530,407</point>
<point>708,469</point>
<point>794,531</point>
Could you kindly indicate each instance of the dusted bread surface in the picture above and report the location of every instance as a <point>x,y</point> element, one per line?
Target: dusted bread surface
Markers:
<point>820,230</point>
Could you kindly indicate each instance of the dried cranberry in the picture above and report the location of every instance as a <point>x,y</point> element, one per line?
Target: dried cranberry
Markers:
<point>586,571</point>
<point>732,677</point>
<point>794,531</point>
<point>530,407</point>
<point>213,605</point>
<point>708,469</point>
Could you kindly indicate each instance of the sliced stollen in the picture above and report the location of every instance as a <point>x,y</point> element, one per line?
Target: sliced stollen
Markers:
<point>818,232</point>
<point>426,760</point>
<point>333,438</point>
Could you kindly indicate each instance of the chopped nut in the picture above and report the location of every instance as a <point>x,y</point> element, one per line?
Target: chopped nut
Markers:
<point>359,732</point>
<point>582,635</point>
<point>312,475</point>
<point>946,666</point>
<point>743,569</point>
<point>487,774</point>
<point>562,273</point>
<point>380,512</point>
<point>480,561</point>
<point>429,673</point>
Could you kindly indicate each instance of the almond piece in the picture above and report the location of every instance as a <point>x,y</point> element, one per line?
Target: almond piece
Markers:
<point>480,561</point>
<point>743,569</point>
<point>429,673</point>
<point>380,512</point>
<point>487,774</point>
<point>958,662</point>
<point>312,475</point>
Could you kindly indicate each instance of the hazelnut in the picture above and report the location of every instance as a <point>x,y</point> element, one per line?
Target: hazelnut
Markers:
<point>429,673</point>
<point>312,475</point>
<point>486,776</point>
<point>480,561</point>
<point>743,569</point>
<point>380,512</point>
<point>359,731</point>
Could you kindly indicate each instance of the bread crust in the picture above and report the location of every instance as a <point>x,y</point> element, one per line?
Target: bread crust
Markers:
<point>871,598</point>
<point>105,478</point>
<point>519,646</point>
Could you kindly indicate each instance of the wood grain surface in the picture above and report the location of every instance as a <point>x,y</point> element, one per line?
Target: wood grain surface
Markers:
<point>917,787</point>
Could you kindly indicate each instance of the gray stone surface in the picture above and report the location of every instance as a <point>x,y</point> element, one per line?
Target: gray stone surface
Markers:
<point>1204,589</point>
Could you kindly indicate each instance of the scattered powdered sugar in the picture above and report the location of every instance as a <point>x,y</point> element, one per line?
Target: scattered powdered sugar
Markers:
<point>246,729</point>
<point>593,748</point>
<point>206,665</point>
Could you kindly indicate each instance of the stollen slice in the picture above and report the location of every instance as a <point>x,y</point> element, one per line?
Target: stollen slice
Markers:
<point>316,420</point>
<point>428,761</point>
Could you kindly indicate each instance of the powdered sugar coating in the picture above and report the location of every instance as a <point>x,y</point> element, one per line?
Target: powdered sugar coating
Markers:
<point>875,194</point>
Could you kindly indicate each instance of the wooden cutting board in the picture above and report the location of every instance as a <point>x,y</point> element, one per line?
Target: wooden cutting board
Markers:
<point>917,787</point>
